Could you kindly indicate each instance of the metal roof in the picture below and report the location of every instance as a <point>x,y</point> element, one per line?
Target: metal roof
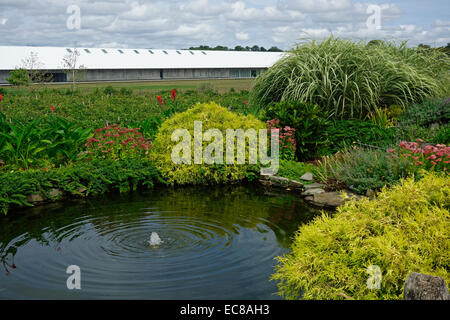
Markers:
<point>107,58</point>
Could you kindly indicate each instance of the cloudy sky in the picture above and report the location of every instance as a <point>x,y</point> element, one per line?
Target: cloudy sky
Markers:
<point>183,23</point>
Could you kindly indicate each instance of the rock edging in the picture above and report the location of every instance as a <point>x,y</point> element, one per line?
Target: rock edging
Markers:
<point>313,193</point>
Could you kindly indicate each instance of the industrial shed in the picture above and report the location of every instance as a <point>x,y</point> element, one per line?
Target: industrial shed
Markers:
<point>106,64</point>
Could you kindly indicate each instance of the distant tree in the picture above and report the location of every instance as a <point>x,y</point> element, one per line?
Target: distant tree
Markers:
<point>221,48</point>
<point>236,48</point>
<point>35,69</point>
<point>19,77</point>
<point>375,43</point>
<point>70,66</point>
<point>424,46</point>
<point>275,49</point>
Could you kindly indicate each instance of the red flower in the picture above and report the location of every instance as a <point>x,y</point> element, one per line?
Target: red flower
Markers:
<point>52,108</point>
<point>159,100</point>
<point>1,97</point>
<point>245,102</point>
<point>174,94</point>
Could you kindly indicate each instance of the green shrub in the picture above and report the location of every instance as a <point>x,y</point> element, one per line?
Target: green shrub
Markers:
<point>343,133</point>
<point>109,90</point>
<point>94,177</point>
<point>351,79</point>
<point>308,120</point>
<point>361,169</point>
<point>430,112</point>
<point>19,77</point>
<point>126,91</point>
<point>212,116</point>
<point>404,230</point>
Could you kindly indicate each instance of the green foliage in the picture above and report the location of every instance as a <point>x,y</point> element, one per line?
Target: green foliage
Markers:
<point>362,170</point>
<point>109,90</point>
<point>308,120</point>
<point>293,170</point>
<point>28,144</point>
<point>95,109</point>
<point>95,177</point>
<point>19,77</point>
<point>351,79</point>
<point>212,116</point>
<point>404,230</point>
<point>126,91</point>
<point>430,112</point>
<point>343,133</point>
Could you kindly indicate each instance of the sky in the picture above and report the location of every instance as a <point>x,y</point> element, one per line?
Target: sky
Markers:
<point>179,24</point>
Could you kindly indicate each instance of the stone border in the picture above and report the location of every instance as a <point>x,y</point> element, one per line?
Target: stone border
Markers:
<point>313,193</point>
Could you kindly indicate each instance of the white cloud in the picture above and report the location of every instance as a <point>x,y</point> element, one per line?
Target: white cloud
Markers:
<point>182,23</point>
<point>242,36</point>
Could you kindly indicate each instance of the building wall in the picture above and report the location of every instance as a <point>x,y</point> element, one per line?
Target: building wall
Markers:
<point>4,74</point>
<point>155,74</point>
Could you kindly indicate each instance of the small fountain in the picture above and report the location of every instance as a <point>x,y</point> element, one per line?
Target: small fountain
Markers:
<point>155,240</point>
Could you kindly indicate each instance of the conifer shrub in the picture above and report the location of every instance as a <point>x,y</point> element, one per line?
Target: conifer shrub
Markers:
<point>404,230</point>
<point>212,116</point>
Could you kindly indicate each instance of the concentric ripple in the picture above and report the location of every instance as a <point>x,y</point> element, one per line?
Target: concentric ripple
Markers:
<point>217,244</point>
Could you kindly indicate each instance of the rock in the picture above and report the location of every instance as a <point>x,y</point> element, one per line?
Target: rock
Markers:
<point>279,181</point>
<point>311,192</point>
<point>37,197</point>
<point>309,198</point>
<point>425,287</point>
<point>370,193</point>
<point>81,190</point>
<point>293,184</point>
<point>307,176</point>
<point>332,199</point>
<point>54,193</point>
<point>263,176</point>
<point>314,186</point>
<point>265,183</point>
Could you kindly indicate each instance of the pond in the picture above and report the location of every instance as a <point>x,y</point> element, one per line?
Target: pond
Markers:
<point>217,243</point>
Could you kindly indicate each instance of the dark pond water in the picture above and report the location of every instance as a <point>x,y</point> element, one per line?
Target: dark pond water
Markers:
<point>218,243</point>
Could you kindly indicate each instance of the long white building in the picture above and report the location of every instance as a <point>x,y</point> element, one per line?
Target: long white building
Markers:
<point>106,64</point>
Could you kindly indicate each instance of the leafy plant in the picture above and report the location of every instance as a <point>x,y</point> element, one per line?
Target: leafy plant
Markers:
<point>403,230</point>
<point>22,143</point>
<point>308,120</point>
<point>350,80</point>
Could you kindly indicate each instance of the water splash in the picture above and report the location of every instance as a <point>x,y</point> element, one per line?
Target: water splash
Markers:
<point>155,240</point>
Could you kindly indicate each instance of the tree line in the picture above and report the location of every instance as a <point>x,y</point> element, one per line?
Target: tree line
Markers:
<point>237,48</point>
